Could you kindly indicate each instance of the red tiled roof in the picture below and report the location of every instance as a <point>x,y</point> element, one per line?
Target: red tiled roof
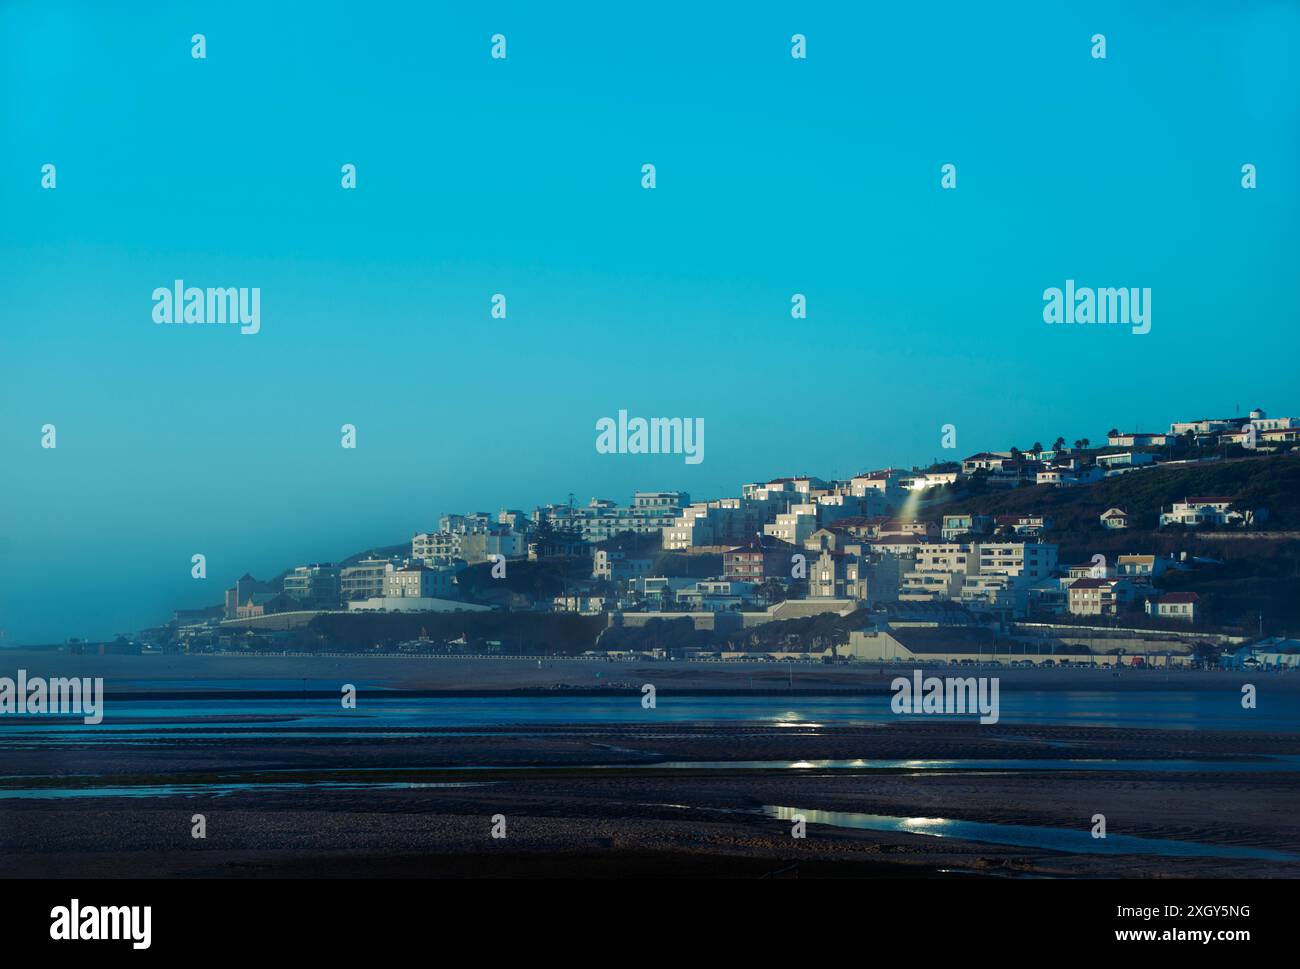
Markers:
<point>1090,583</point>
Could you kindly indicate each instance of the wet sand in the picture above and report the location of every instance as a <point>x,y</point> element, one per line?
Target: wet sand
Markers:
<point>640,820</point>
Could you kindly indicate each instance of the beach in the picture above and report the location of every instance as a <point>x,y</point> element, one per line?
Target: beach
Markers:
<point>409,785</point>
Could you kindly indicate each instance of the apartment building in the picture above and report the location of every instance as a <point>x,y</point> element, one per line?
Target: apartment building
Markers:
<point>419,582</point>
<point>314,586</point>
<point>364,579</point>
<point>617,565</point>
<point>795,526</point>
<point>983,574</point>
<point>1099,597</point>
<point>603,519</point>
<point>938,571</point>
<point>759,559</point>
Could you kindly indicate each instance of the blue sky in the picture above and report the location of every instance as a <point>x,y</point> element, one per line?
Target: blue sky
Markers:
<point>522,176</point>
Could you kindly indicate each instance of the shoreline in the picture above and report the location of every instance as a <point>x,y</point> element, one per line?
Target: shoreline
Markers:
<point>319,677</point>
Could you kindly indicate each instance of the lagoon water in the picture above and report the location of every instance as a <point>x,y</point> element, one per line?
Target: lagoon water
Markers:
<point>1074,841</point>
<point>1171,710</point>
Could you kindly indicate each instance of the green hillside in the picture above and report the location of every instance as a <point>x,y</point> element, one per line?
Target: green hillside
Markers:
<point>1262,482</point>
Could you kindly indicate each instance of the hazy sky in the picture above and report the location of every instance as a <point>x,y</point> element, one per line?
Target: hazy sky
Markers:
<point>523,177</point>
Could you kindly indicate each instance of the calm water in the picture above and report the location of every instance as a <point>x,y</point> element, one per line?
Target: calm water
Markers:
<point>24,786</point>
<point>1070,840</point>
<point>1177,710</point>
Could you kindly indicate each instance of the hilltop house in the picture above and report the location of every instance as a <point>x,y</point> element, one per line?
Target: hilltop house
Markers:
<point>1031,525</point>
<point>955,526</point>
<point>1141,566</point>
<point>1212,510</point>
<point>1114,518</point>
<point>1068,475</point>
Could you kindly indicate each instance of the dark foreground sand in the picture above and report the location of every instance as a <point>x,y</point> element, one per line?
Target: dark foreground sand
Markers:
<point>636,819</point>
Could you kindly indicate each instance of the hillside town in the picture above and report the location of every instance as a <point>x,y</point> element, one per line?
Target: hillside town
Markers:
<point>890,550</point>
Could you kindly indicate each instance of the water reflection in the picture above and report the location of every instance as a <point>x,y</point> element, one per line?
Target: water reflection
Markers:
<point>1026,836</point>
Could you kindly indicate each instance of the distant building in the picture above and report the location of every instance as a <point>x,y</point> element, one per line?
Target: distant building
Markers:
<point>467,539</point>
<point>1137,439</point>
<point>263,604</point>
<point>363,579</point>
<point>1027,525</point>
<point>837,575</point>
<point>1281,435</point>
<point>314,586</point>
<point>1212,510</point>
<point>716,595</point>
<point>1124,459</point>
<point>1065,476</point>
<point>1114,518</point>
<point>1141,566</point>
<point>1202,426</point>
<point>1099,597</point>
<point>758,559</point>
<point>555,545</point>
<point>618,565</point>
<point>238,594</point>
<point>1174,605</point>
<point>955,526</point>
<point>602,519</point>
<point>420,582</point>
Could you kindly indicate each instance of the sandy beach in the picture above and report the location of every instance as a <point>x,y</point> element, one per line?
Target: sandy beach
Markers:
<point>286,789</point>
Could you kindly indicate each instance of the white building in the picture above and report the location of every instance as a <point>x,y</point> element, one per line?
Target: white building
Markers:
<point>1114,518</point>
<point>1124,459</point>
<point>616,565</point>
<point>1212,510</point>
<point>419,582</point>
<point>1174,605</point>
<point>1137,439</point>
